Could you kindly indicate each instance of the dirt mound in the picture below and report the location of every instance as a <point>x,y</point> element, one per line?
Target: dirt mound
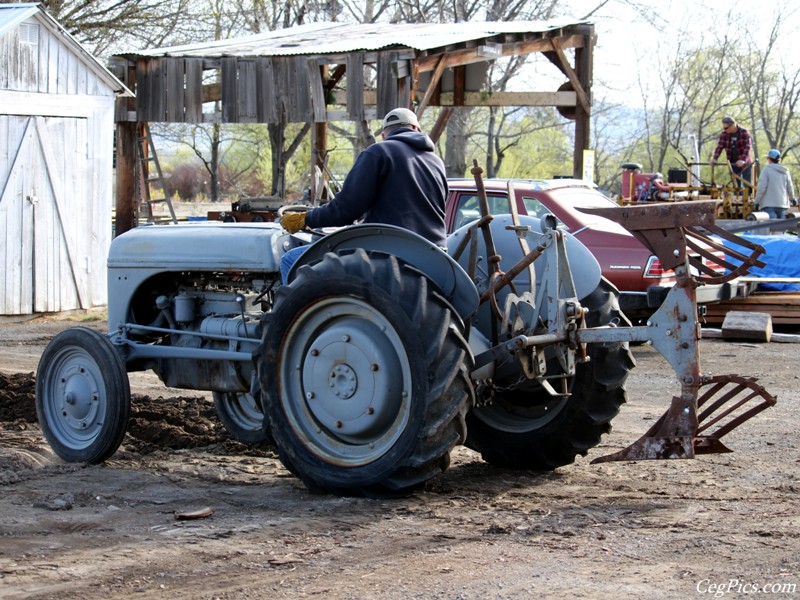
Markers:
<point>155,424</point>
<point>17,398</point>
<point>173,423</point>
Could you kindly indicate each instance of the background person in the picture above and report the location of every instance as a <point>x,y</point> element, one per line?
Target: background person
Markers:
<point>738,145</point>
<point>775,188</point>
<point>400,181</point>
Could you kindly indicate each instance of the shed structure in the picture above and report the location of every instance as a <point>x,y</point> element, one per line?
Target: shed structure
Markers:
<point>56,151</point>
<point>323,72</point>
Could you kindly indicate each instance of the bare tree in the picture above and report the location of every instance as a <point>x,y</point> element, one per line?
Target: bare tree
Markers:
<point>771,88</point>
<point>106,26</point>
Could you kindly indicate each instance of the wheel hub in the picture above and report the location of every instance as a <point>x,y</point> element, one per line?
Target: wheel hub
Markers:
<point>80,395</point>
<point>352,380</point>
<point>343,381</point>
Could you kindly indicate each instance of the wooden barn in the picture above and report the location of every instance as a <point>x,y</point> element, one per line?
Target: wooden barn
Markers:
<point>56,152</point>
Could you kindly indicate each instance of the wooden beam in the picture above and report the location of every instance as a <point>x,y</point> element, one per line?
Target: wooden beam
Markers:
<point>435,77</point>
<point>471,55</point>
<point>459,85</point>
<point>124,218</point>
<point>583,99</point>
<point>483,99</point>
<point>319,158</point>
<point>319,102</point>
<point>441,123</point>
<point>584,65</point>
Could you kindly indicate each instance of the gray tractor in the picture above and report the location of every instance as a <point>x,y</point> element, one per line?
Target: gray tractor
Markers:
<point>384,352</point>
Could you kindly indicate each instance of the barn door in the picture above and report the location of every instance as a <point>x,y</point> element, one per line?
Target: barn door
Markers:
<point>41,210</point>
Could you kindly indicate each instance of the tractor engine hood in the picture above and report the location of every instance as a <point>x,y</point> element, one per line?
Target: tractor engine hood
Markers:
<point>199,247</point>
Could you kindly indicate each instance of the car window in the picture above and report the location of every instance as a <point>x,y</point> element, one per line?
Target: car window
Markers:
<point>571,199</point>
<point>535,208</point>
<point>469,209</point>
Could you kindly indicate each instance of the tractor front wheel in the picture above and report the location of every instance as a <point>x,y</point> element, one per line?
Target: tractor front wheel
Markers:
<point>241,415</point>
<point>83,398</point>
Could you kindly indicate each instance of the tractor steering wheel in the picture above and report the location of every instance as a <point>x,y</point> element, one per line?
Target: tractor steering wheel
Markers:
<point>315,233</point>
<point>293,208</point>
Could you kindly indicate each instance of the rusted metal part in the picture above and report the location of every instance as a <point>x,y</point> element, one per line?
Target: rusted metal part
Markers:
<point>670,437</point>
<point>736,244</point>
<point>520,231</point>
<point>504,279</point>
<point>694,423</point>
<point>723,409</point>
<point>665,227</point>
<point>682,433</point>
<point>486,218</point>
<point>660,226</point>
<point>492,257</point>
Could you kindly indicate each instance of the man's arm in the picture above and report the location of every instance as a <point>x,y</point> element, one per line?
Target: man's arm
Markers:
<point>359,190</point>
<point>721,143</point>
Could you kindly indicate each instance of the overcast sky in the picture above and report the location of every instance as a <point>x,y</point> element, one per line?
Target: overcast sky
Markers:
<point>632,37</point>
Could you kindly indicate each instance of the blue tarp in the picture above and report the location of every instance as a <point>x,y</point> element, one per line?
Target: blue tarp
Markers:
<point>782,257</point>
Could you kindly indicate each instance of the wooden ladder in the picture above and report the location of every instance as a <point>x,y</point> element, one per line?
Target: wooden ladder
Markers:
<point>146,158</point>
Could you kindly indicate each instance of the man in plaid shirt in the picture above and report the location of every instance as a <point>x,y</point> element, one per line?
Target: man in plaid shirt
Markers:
<point>738,144</point>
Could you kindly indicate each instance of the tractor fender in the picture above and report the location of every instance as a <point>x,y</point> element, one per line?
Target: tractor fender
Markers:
<point>455,285</point>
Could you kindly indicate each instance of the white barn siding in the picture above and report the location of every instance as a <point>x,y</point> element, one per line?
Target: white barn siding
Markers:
<point>56,148</point>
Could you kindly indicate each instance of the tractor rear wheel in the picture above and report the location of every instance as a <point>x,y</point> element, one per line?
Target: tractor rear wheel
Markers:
<point>364,372</point>
<point>530,429</point>
<point>83,398</point>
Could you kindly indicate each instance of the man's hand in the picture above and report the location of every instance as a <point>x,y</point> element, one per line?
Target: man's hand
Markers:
<point>713,162</point>
<point>293,221</point>
<point>739,163</point>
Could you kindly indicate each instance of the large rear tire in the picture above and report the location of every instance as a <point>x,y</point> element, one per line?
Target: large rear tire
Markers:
<point>529,429</point>
<point>364,372</point>
<point>83,398</point>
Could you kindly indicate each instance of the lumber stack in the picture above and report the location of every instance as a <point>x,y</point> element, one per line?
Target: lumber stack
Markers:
<point>783,307</point>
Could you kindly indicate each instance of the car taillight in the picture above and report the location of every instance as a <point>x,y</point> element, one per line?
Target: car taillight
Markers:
<point>655,270</point>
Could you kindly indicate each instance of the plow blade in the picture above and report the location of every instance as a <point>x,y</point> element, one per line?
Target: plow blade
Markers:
<point>696,422</point>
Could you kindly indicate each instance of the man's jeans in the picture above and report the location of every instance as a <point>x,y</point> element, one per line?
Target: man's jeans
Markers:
<point>288,260</point>
<point>746,174</point>
<point>774,212</point>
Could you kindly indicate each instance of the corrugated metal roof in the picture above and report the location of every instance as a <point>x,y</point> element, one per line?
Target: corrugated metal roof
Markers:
<point>338,38</point>
<point>11,15</point>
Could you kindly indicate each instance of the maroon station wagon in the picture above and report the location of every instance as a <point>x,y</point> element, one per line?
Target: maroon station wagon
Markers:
<point>637,273</point>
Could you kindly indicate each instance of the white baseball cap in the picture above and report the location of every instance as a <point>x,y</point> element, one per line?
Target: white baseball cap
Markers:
<point>400,116</point>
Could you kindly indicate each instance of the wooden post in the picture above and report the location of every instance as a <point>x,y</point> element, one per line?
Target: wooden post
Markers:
<point>320,141</point>
<point>126,169</point>
<point>583,67</point>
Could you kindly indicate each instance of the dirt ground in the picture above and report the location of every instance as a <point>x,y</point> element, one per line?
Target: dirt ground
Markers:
<point>721,525</point>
